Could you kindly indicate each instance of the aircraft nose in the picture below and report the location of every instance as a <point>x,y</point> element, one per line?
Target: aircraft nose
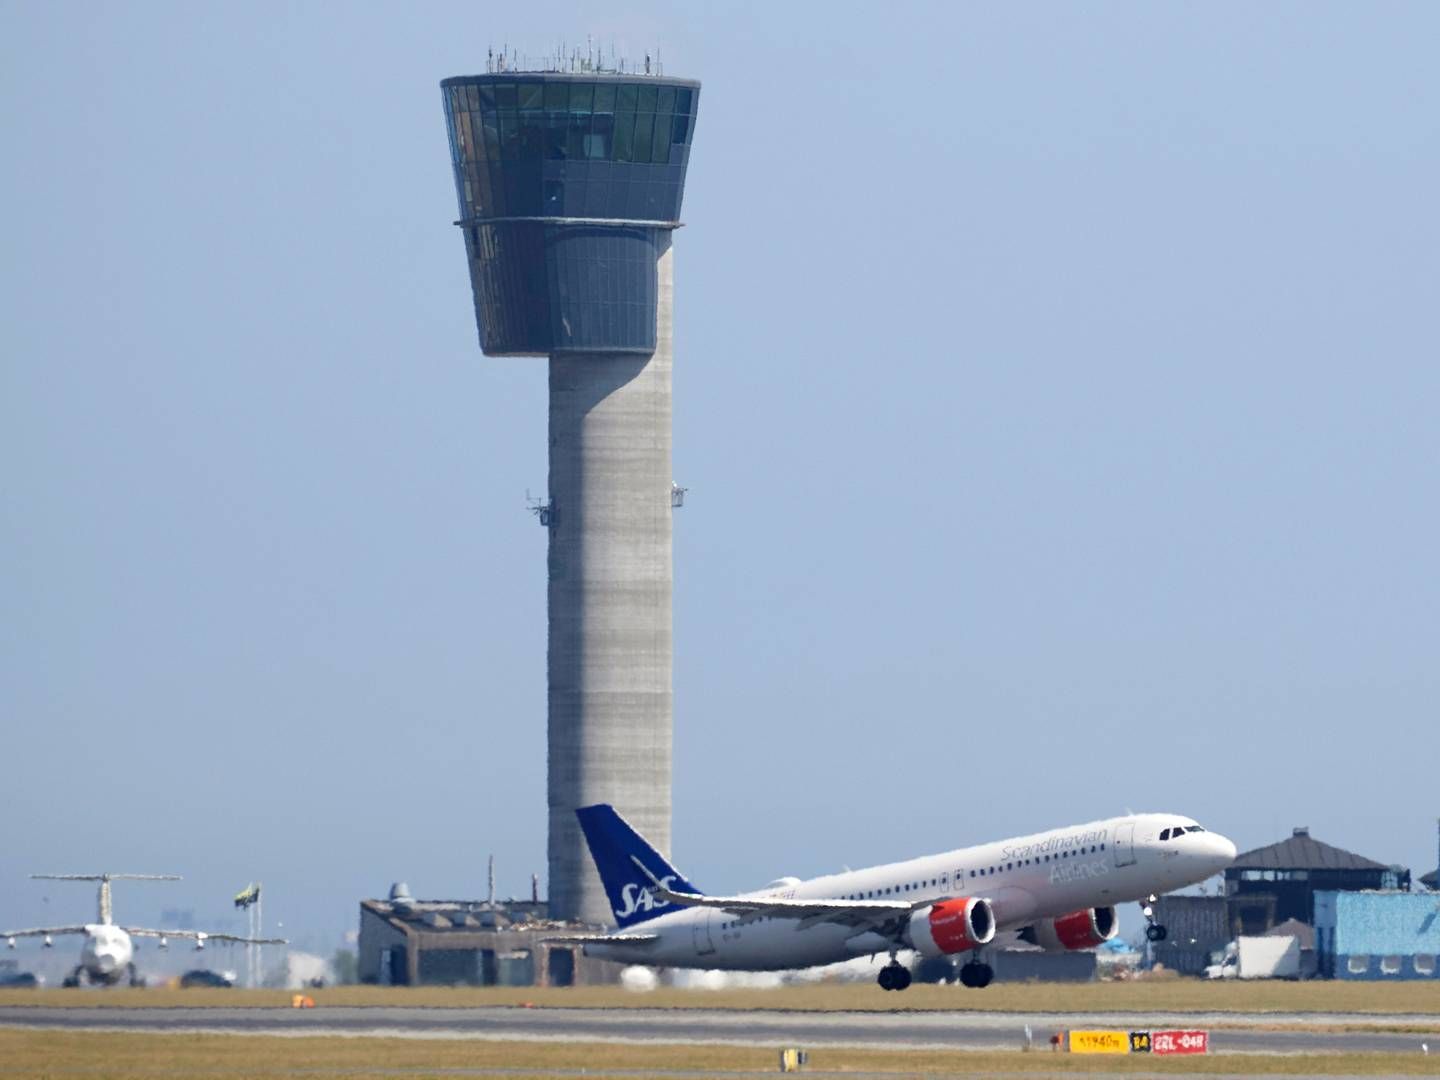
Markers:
<point>1225,850</point>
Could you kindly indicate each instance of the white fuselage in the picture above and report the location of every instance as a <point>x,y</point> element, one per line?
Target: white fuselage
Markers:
<point>107,953</point>
<point>1026,879</point>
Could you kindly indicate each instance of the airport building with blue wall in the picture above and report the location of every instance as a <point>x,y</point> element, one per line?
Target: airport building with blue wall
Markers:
<point>1377,935</point>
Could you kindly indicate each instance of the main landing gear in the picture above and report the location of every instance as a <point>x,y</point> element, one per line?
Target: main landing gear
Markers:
<point>975,973</point>
<point>1154,931</point>
<point>894,975</point>
<point>136,979</point>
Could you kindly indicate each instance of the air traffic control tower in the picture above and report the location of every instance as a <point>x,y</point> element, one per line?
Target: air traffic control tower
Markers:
<point>569,186</point>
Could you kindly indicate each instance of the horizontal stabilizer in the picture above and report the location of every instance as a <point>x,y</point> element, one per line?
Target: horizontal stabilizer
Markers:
<point>106,877</point>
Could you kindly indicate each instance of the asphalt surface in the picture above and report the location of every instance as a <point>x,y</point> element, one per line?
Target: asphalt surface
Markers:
<point>942,1030</point>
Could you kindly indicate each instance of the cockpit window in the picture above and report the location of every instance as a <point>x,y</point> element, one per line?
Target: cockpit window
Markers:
<point>1177,831</point>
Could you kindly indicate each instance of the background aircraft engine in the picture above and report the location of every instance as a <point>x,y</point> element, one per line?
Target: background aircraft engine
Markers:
<point>1083,929</point>
<point>951,926</point>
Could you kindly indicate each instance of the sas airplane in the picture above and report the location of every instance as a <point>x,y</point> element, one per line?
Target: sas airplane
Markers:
<point>1056,889</point>
<point>108,954</point>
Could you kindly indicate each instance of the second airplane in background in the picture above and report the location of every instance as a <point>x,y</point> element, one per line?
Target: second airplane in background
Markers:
<point>108,954</point>
<point>1057,889</point>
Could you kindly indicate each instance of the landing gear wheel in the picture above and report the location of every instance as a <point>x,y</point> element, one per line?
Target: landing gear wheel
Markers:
<point>894,976</point>
<point>1154,930</point>
<point>136,979</point>
<point>976,975</point>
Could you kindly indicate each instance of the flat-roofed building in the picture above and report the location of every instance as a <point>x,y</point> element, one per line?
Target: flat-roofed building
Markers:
<point>1377,935</point>
<point>409,942</point>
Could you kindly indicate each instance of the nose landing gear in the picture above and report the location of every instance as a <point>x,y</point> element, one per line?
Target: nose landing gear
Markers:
<point>1154,931</point>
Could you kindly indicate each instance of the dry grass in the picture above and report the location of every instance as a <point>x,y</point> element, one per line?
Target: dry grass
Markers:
<point>1180,995</point>
<point>52,1054</point>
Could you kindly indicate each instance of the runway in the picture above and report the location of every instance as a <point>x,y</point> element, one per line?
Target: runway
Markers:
<point>1289,1033</point>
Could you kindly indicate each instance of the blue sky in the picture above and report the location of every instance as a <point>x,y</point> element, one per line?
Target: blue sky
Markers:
<point>1055,386</point>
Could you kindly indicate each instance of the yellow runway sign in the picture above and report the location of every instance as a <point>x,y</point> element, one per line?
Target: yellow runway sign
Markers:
<point>1099,1042</point>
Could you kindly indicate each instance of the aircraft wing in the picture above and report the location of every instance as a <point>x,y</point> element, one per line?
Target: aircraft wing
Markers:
<point>201,935</point>
<point>603,939</point>
<point>857,913</point>
<point>42,931</point>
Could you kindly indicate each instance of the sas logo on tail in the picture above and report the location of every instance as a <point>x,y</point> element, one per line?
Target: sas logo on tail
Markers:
<point>634,897</point>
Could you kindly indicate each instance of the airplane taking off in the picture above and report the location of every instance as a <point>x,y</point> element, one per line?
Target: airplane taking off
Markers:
<point>1056,889</point>
<point>108,954</point>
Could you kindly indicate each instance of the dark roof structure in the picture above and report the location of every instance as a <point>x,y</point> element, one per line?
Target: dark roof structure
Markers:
<point>452,916</point>
<point>1431,880</point>
<point>1303,852</point>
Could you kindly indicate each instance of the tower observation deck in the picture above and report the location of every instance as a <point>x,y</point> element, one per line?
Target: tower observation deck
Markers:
<point>569,186</point>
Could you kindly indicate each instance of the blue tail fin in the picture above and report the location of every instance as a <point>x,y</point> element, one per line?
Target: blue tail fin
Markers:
<point>616,847</point>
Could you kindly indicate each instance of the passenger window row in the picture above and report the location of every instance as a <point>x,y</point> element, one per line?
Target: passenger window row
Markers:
<point>984,871</point>
<point>998,868</point>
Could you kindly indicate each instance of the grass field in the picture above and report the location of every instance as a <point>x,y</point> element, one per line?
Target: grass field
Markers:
<point>1179,995</point>
<point>53,1054</point>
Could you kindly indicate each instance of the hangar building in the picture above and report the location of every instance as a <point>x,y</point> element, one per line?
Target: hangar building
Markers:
<point>1278,882</point>
<point>409,942</point>
<point>1377,935</point>
<point>1265,888</point>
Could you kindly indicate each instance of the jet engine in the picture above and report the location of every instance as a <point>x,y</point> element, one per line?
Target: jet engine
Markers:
<point>10,943</point>
<point>49,942</point>
<point>164,942</point>
<point>951,926</point>
<point>1083,929</point>
<point>199,942</point>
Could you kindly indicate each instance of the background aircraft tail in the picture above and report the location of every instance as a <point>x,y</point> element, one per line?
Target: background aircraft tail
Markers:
<point>616,848</point>
<point>102,903</point>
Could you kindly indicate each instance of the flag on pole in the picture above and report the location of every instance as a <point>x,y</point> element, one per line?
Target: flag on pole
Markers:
<point>248,895</point>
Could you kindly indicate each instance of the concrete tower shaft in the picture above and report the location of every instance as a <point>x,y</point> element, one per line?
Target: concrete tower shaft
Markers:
<point>570,189</point>
<point>611,577</point>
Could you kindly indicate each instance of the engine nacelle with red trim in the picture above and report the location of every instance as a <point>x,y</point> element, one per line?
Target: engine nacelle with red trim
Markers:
<point>1083,929</point>
<point>951,926</point>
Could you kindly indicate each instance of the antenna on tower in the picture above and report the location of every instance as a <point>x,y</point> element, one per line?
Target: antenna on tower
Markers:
<point>543,509</point>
